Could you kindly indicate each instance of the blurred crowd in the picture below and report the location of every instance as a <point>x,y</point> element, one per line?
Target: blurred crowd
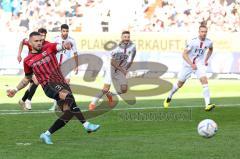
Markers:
<point>117,15</point>
<point>185,15</point>
<point>22,15</point>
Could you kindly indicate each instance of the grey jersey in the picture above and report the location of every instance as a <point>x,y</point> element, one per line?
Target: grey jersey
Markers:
<point>124,54</point>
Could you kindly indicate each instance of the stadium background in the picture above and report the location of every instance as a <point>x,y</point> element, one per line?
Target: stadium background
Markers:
<point>159,28</point>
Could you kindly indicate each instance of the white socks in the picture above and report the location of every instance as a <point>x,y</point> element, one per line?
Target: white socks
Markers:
<point>28,104</point>
<point>173,90</point>
<point>97,97</point>
<point>95,100</point>
<point>100,95</point>
<point>54,103</point>
<point>85,125</point>
<point>115,93</point>
<point>206,94</point>
<point>47,133</point>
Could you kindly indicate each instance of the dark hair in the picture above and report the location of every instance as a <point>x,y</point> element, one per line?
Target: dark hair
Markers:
<point>64,26</point>
<point>125,32</point>
<point>34,34</point>
<point>42,30</point>
<point>202,26</point>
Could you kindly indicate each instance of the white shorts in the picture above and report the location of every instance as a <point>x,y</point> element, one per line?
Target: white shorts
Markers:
<point>186,72</point>
<point>107,77</point>
<point>117,76</point>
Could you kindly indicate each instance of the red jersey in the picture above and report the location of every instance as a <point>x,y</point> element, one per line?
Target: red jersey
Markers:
<point>45,42</point>
<point>44,65</point>
<point>25,42</point>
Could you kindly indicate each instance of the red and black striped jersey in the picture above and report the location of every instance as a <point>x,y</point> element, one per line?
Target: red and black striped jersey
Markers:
<point>44,65</point>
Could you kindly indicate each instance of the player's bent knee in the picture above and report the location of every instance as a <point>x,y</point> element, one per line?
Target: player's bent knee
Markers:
<point>124,89</point>
<point>180,84</point>
<point>65,107</point>
<point>63,94</point>
<point>204,80</point>
<point>70,101</point>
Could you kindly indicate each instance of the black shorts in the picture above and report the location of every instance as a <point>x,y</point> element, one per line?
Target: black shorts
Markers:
<point>52,90</point>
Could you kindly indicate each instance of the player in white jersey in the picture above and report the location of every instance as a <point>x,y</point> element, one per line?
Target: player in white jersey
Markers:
<point>66,54</point>
<point>195,61</point>
<point>121,60</point>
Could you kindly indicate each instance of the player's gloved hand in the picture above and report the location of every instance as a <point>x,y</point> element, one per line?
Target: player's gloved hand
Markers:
<point>11,92</point>
<point>194,66</point>
<point>19,58</point>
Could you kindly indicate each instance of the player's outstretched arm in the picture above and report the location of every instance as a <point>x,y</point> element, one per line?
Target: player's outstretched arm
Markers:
<point>209,53</point>
<point>24,82</point>
<point>20,48</point>
<point>75,56</point>
<point>187,59</point>
<point>114,64</point>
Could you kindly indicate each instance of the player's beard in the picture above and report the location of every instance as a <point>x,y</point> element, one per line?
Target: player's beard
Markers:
<point>65,36</point>
<point>126,42</point>
<point>37,49</point>
<point>203,37</point>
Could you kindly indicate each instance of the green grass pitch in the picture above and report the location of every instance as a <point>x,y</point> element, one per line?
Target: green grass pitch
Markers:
<point>143,130</point>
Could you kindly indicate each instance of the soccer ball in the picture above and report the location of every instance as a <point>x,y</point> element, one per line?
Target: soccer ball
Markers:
<point>207,128</point>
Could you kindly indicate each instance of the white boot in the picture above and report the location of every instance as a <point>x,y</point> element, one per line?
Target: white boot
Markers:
<point>28,104</point>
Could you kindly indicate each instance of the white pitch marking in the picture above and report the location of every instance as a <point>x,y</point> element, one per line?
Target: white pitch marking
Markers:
<point>18,112</point>
<point>23,144</point>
